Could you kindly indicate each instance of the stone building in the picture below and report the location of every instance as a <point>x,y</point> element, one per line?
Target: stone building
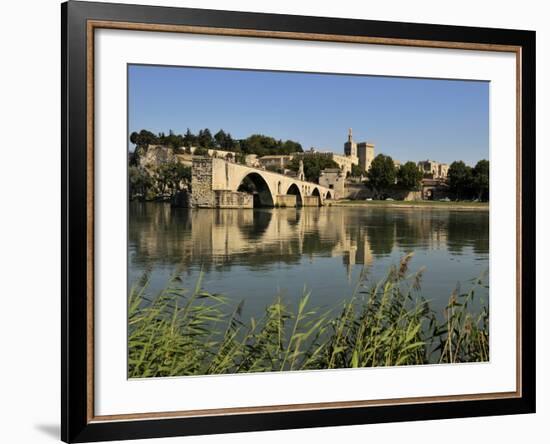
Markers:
<point>365,153</point>
<point>275,161</point>
<point>334,179</point>
<point>433,170</point>
<point>361,153</point>
<point>350,147</point>
<point>434,189</point>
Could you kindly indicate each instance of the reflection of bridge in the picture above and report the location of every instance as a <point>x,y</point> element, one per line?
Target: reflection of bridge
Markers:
<point>217,183</point>
<point>214,238</point>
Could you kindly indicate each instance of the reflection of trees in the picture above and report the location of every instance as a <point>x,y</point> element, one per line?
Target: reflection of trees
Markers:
<point>468,232</point>
<point>381,230</point>
<point>258,238</point>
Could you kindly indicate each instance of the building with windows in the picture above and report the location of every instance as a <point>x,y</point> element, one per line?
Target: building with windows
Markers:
<point>333,179</point>
<point>433,170</point>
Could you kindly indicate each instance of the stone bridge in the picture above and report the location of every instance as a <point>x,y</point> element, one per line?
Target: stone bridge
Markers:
<point>217,183</point>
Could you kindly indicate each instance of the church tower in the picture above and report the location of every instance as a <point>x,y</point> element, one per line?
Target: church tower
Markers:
<point>350,147</point>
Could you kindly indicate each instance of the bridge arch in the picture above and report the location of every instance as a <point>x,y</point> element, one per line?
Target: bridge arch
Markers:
<point>317,193</point>
<point>256,185</point>
<point>329,195</point>
<point>295,190</point>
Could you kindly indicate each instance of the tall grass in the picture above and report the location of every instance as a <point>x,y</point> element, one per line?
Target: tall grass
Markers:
<point>181,332</point>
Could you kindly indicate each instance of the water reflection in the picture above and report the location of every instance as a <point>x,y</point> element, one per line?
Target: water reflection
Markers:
<point>160,234</point>
<point>259,252</point>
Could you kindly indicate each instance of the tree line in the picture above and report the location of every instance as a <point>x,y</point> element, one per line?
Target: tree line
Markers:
<point>258,144</point>
<point>465,182</point>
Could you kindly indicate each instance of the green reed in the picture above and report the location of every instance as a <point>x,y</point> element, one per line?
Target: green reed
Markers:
<point>181,332</point>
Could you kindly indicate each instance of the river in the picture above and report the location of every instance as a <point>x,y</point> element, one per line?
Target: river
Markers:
<point>253,255</point>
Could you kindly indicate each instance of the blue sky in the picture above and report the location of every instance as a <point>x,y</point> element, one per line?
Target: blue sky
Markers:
<point>406,118</point>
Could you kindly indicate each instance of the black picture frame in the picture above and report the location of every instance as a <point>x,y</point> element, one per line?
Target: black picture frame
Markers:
<point>76,424</point>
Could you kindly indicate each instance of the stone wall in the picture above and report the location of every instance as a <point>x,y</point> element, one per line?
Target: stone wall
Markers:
<point>285,201</point>
<point>154,156</point>
<point>310,201</point>
<point>333,179</point>
<point>358,191</point>
<point>201,183</point>
<point>232,199</point>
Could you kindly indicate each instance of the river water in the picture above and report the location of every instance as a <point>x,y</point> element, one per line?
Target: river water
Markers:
<point>254,255</point>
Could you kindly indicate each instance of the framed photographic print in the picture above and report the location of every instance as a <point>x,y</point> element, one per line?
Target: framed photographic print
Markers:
<point>275,221</point>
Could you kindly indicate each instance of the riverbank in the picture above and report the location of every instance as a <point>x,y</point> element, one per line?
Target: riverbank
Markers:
<point>461,205</point>
<point>179,333</point>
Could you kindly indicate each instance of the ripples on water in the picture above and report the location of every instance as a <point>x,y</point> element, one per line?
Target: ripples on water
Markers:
<point>256,254</point>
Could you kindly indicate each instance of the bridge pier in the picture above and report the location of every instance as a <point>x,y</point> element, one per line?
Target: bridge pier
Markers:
<point>311,201</point>
<point>285,201</point>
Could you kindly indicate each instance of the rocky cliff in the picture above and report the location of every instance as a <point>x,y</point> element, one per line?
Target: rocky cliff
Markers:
<point>154,156</point>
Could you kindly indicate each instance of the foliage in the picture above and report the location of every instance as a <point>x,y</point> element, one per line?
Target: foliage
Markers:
<point>240,158</point>
<point>195,333</point>
<point>460,180</point>
<point>255,144</point>
<point>381,174</point>
<point>139,182</point>
<point>357,171</point>
<point>171,140</point>
<point>200,151</point>
<point>264,145</point>
<point>171,176</point>
<point>224,141</point>
<point>481,180</point>
<point>409,176</point>
<point>313,165</point>
<point>274,169</point>
<point>205,139</point>
<point>469,183</point>
<point>143,138</point>
<point>189,139</point>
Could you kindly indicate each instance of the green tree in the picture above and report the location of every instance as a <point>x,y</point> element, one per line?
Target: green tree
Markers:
<point>200,151</point>
<point>259,144</point>
<point>205,139</point>
<point>481,179</point>
<point>290,147</point>
<point>381,174</point>
<point>143,138</point>
<point>356,171</point>
<point>264,145</point>
<point>189,139</point>
<point>240,158</point>
<point>255,144</point>
<point>409,176</point>
<point>220,137</point>
<point>313,165</point>
<point>172,140</point>
<point>274,169</point>
<point>460,180</point>
<point>139,182</point>
<point>172,176</point>
<point>224,140</point>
